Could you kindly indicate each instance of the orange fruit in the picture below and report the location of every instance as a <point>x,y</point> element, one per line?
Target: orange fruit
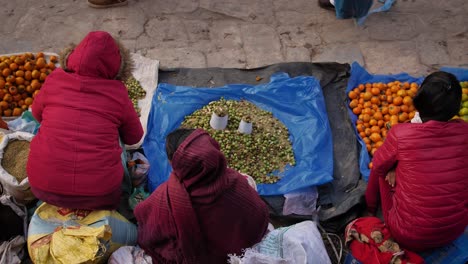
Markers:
<point>17,111</point>
<point>7,112</point>
<point>378,116</point>
<point>19,80</point>
<point>381,123</point>
<point>51,65</point>
<point>40,55</point>
<point>19,73</point>
<point>398,101</point>
<point>375,129</point>
<point>3,105</point>
<point>357,110</point>
<point>366,117</point>
<point>27,75</point>
<point>362,134</point>
<point>366,140</point>
<point>375,137</point>
<point>387,117</point>
<point>375,91</point>
<point>402,117</point>
<point>367,96</point>
<point>29,66</point>
<point>6,72</point>
<point>393,110</point>
<point>373,122</point>
<point>36,85</point>
<point>35,93</point>
<point>404,108</point>
<point>401,93</point>
<point>370,165</point>
<point>361,87</point>
<point>24,107</point>
<point>394,88</point>
<point>13,66</point>
<point>35,74</point>
<point>411,115</point>
<point>40,63</point>
<point>352,95</point>
<point>375,100</point>
<point>28,101</point>
<point>43,76</point>
<point>354,103</point>
<point>407,100</point>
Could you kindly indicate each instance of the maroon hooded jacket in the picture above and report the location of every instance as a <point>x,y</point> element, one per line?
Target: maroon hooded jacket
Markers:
<point>83,112</point>
<point>430,200</point>
<point>205,210</point>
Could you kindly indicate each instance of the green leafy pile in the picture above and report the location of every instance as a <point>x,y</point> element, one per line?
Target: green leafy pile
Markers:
<point>259,154</point>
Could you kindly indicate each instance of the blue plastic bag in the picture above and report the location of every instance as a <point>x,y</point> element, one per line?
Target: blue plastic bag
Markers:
<point>360,76</point>
<point>297,102</point>
<point>460,73</point>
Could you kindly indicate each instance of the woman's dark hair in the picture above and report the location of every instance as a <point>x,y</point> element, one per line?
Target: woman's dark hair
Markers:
<point>174,139</point>
<point>439,97</point>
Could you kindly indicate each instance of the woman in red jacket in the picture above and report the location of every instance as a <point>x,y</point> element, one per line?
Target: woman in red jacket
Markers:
<point>84,108</point>
<point>204,211</point>
<point>427,205</point>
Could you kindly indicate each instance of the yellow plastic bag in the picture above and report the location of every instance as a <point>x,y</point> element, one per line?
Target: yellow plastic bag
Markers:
<point>58,235</point>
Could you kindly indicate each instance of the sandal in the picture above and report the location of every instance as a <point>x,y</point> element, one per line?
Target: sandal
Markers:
<point>106,3</point>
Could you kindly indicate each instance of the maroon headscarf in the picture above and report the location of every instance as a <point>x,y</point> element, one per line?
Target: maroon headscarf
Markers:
<point>204,211</point>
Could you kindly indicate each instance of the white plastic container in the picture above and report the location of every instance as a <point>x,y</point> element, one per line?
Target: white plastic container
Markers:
<point>245,127</point>
<point>218,122</point>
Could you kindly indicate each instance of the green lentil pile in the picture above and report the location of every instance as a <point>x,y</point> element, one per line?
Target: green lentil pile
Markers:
<point>259,154</point>
<point>135,92</point>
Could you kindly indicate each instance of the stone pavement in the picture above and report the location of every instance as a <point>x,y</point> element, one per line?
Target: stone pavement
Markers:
<point>416,36</point>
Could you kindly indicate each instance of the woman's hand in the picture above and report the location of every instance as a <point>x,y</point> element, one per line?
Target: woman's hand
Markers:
<point>391,178</point>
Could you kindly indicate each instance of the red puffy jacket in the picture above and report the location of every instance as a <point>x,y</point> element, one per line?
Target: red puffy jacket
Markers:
<point>83,112</point>
<point>430,202</point>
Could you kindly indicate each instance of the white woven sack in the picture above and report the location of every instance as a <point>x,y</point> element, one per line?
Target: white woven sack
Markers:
<point>21,191</point>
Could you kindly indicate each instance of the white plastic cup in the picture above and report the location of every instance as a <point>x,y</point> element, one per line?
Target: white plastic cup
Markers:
<point>218,122</point>
<point>245,127</point>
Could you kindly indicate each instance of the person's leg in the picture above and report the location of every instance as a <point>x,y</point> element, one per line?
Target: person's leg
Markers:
<point>386,197</point>
<point>106,3</point>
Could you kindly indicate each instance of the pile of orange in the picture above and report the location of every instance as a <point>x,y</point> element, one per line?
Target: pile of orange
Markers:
<point>379,106</point>
<point>21,78</point>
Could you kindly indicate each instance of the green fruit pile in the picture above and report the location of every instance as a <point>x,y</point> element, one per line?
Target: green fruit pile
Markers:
<point>464,105</point>
<point>135,92</point>
<point>260,154</point>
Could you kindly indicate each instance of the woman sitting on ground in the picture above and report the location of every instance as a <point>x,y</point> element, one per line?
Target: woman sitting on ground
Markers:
<point>425,201</point>
<point>204,211</point>
<point>83,107</point>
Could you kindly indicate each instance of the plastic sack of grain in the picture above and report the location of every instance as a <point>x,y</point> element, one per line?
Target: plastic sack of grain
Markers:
<point>59,235</point>
<point>14,151</point>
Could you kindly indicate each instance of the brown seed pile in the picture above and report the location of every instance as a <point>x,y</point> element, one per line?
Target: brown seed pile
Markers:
<point>15,157</point>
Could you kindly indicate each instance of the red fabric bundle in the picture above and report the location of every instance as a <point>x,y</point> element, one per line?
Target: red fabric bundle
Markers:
<point>370,242</point>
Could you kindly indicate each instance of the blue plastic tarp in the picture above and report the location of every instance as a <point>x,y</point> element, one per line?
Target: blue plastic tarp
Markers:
<point>460,73</point>
<point>360,9</point>
<point>297,102</point>
<point>359,75</point>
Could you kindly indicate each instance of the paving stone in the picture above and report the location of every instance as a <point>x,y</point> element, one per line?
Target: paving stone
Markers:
<point>447,22</point>
<point>458,50</point>
<point>259,11</point>
<point>226,58</point>
<point>157,7</point>
<point>197,30</point>
<point>342,53</point>
<point>303,6</point>
<point>343,31</point>
<point>178,57</point>
<point>167,31</point>
<point>261,45</point>
<point>394,26</point>
<point>392,57</point>
<point>432,52</point>
<point>299,36</point>
<point>294,54</point>
<point>11,12</point>
<point>226,34</point>
<point>125,23</point>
